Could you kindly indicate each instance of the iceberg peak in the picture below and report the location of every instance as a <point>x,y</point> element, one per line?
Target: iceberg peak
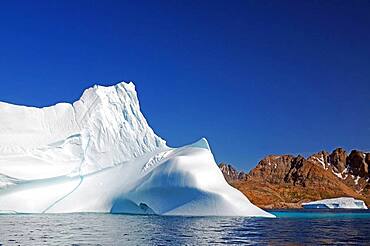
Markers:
<point>201,143</point>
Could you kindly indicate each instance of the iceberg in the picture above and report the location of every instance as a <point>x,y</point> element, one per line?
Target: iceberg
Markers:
<point>100,155</point>
<point>340,202</point>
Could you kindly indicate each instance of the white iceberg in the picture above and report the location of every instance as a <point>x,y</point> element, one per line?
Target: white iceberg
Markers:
<point>100,155</point>
<point>340,202</point>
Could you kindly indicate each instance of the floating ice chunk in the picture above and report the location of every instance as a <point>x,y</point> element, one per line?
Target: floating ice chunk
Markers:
<point>340,202</point>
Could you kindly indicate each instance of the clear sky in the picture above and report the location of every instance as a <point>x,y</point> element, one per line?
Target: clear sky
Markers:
<point>253,77</point>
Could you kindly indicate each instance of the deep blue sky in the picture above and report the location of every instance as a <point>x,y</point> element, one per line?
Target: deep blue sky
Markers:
<point>253,77</point>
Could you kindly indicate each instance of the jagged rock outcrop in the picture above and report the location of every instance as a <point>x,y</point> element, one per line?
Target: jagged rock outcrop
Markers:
<point>338,159</point>
<point>357,163</point>
<point>287,180</point>
<point>230,173</point>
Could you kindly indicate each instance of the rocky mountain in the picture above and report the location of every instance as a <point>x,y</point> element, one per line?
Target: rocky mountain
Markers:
<point>230,173</point>
<point>287,181</point>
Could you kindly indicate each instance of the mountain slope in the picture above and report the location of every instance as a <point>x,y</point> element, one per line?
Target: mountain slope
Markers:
<point>287,181</point>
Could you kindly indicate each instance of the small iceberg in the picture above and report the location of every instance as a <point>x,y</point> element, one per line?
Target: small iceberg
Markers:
<point>340,202</point>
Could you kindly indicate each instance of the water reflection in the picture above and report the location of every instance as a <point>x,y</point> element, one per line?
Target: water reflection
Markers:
<point>107,229</point>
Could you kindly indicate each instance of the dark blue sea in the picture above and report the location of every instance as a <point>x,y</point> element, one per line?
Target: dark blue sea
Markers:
<point>291,227</point>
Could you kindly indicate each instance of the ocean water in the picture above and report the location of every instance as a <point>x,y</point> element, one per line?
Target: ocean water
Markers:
<point>291,227</point>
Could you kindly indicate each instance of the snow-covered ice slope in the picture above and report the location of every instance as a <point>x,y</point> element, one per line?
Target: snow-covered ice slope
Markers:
<point>100,155</point>
<point>340,202</point>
